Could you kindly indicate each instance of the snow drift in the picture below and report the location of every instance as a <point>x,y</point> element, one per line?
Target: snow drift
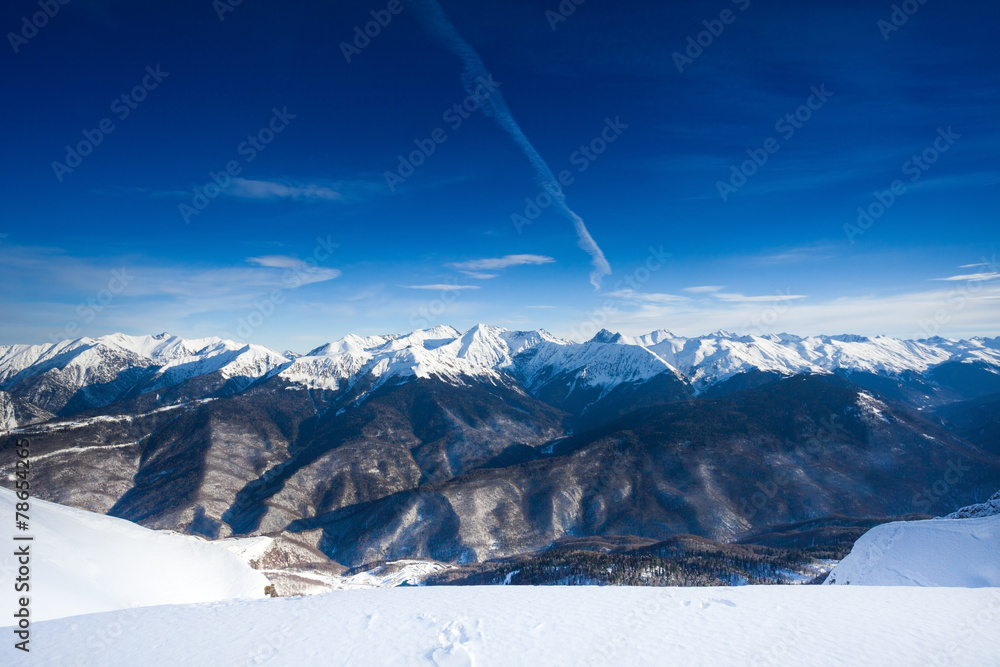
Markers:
<point>83,563</point>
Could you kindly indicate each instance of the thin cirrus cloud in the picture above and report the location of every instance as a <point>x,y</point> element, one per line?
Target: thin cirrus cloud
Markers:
<point>250,189</point>
<point>807,253</point>
<point>150,296</point>
<point>647,297</point>
<point>480,268</point>
<point>441,287</point>
<point>298,272</point>
<point>767,298</point>
<point>973,277</point>
<point>708,293</point>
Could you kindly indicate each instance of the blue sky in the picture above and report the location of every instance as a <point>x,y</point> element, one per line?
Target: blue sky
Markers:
<point>309,240</point>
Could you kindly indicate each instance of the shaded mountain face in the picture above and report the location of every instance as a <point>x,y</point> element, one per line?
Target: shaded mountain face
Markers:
<point>473,446</point>
<point>798,449</point>
<point>976,420</point>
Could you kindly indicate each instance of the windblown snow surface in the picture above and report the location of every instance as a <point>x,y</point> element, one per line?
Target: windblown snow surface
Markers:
<point>513,625</point>
<point>82,562</point>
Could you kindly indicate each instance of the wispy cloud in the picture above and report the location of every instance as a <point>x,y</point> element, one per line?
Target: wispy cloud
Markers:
<point>702,289</point>
<point>476,268</point>
<point>275,189</point>
<point>797,255</point>
<point>46,286</point>
<point>298,272</point>
<point>441,287</point>
<point>647,297</point>
<point>249,189</point>
<point>973,276</point>
<point>767,298</point>
<point>276,261</point>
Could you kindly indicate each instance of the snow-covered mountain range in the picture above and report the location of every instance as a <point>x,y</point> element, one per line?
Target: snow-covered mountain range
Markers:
<point>478,445</point>
<point>39,381</point>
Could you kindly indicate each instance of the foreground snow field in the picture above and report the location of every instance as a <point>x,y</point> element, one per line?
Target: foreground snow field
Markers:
<point>754,625</point>
<point>83,562</point>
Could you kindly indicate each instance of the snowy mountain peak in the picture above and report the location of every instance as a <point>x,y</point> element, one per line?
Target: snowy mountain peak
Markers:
<point>611,338</point>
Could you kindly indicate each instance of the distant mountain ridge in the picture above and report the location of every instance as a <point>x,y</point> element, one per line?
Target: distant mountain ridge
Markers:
<point>78,375</point>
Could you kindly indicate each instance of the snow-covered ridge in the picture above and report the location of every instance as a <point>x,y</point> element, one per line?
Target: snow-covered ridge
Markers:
<point>175,358</point>
<point>610,359</point>
<point>960,549</point>
<point>531,358</point>
<point>65,377</point>
<point>483,352</point>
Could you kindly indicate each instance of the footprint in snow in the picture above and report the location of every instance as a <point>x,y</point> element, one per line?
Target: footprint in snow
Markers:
<point>454,655</point>
<point>456,649</point>
<point>708,603</point>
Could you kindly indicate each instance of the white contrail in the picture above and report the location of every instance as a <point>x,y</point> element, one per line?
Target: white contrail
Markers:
<point>436,22</point>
